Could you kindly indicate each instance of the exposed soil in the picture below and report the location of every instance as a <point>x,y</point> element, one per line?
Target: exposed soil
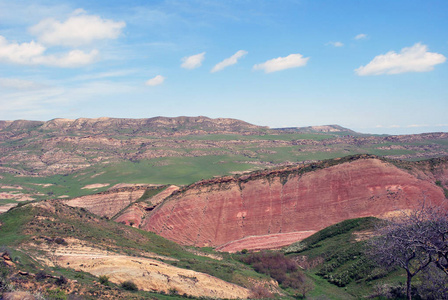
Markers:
<point>95,186</point>
<point>268,241</point>
<point>296,199</point>
<point>149,274</point>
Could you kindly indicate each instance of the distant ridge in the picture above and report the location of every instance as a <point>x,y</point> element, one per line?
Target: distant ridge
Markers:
<point>160,125</point>
<point>317,129</point>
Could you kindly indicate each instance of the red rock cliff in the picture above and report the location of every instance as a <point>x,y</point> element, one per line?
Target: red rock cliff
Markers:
<point>216,212</point>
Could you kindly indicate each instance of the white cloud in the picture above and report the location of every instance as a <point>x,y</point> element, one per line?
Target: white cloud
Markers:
<point>32,53</point>
<point>20,84</point>
<point>229,61</point>
<point>193,62</point>
<point>336,44</point>
<point>282,63</point>
<point>361,36</point>
<point>411,59</point>
<point>19,53</point>
<point>80,29</point>
<point>158,80</point>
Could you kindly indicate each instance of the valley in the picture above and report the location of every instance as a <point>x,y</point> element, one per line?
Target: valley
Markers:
<point>59,158</point>
<point>179,206</point>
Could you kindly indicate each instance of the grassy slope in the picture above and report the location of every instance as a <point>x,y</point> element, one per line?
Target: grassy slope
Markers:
<point>343,273</point>
<point>22,224</point>
<point>344,267</point>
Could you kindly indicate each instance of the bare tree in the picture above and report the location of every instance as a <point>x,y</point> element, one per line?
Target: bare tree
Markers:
<point>306,287</point>
<point>413,241</point>
<point>433,284</point>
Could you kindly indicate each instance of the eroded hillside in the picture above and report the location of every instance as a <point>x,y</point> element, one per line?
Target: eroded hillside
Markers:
<point>47,238</point>
<point>283,204</point>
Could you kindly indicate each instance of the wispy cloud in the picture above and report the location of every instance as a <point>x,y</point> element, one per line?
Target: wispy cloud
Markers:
<point>102,75</point>
<point>158,80</point>
<point>32,53</point>
<point>57,100</point>
<point>360,36</point>
<point>193,62</point>
<point>410,59</point>
<point>20,84</point>
<point>335,44</point>
<point>229,61</point>
<point>31,102</point>
<point>411,126</point>
<point>79,29</point>
<point>282,63</point>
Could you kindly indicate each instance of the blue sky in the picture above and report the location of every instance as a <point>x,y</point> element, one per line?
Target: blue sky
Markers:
<point>373,66</point>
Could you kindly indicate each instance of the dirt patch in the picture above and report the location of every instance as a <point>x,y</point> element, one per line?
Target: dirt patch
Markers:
<point>95,186</point>
<point>126,185</point>
<point>98,174</point>
<point>10,195</point>
<point>363,235</point>
<point>6,207</point>
<point>44,184</point>
<point>16,196</point>
<point>153,275</point>
<point>11,187</point>
<point>148,274</point>
<point>269,241</point>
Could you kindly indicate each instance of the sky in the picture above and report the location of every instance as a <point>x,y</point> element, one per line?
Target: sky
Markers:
<point>374,66</point>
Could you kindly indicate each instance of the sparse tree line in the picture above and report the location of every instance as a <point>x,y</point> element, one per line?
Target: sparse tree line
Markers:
<point>417,242</point>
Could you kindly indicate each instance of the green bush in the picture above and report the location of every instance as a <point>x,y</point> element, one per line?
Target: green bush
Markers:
<point>104,280</point>
<point>61,280</point>
<point>41,275</point>
<point>129,286</point>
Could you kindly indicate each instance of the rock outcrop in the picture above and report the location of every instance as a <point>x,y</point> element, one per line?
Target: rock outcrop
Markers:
<point>108,203</point>
<point>295,199</point>
<point>134,214</point>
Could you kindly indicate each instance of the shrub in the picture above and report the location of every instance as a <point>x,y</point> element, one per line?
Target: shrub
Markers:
<point>41,275</point>
<point>60,241</point>
<point>129,286</point>
<point>104,280</point>
<point>173,291</point>
<point>260,292</point>
<point>61,280</point>
<point>278,266</point>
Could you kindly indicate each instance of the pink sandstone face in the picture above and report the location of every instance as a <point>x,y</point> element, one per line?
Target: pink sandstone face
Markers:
<point>231,209</point>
